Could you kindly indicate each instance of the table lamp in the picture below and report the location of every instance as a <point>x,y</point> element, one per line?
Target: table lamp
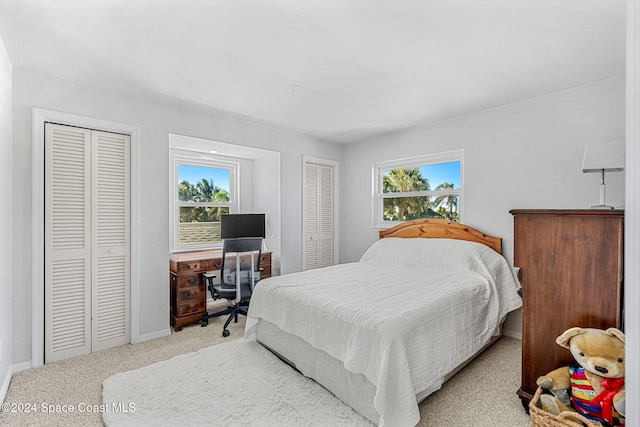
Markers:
<point>601,158</point>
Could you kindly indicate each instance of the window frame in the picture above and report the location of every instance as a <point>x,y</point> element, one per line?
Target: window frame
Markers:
<point>178,159</point>
<point>378,196</point>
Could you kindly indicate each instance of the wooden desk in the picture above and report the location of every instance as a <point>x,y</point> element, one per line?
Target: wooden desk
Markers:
<point>188,291</point>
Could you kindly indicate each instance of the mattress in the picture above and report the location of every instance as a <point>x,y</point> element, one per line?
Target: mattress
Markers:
<point>353,389</point>
<point>401,319</point>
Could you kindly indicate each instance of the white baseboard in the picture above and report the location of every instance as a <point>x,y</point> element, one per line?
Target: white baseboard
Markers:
<point>24,366</point>
<point>512,334</point>
<point>5,384</point>
<point>28,365</point>
<point>152,336</point>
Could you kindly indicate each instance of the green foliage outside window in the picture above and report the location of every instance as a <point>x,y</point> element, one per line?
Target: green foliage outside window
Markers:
<point>406,208</point>
<point>203,192</point>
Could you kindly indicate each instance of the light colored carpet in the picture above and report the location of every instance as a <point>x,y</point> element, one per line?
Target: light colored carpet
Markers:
<point>235,383</point>
<point>483,394</point>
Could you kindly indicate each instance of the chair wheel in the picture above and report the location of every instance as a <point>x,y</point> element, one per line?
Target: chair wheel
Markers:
<point>225,333</point>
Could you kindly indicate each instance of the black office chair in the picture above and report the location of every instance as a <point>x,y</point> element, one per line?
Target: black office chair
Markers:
<point>237,278</point>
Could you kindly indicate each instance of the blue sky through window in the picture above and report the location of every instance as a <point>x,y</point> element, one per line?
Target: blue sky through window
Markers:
<point>194,174</point>
<point>439,173</point>
<point>442,172</point>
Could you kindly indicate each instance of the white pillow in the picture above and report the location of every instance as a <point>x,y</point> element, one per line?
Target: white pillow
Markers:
<point>447,255</point>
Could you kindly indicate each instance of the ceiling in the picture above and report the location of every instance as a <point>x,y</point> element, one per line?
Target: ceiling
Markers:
<point>340,70</point>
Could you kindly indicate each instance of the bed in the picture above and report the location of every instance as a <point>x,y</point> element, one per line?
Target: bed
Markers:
<point>385,332</point>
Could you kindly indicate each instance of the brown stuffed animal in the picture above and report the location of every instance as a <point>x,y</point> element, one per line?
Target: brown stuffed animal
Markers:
<point>595,386</point>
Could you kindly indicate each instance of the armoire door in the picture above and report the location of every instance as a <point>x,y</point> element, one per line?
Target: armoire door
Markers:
<point>87,243</point>
<point>318,216</point>
<point>572,270</point>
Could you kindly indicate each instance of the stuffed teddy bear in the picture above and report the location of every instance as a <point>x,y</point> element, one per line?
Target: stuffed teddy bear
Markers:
<point>594,387</point>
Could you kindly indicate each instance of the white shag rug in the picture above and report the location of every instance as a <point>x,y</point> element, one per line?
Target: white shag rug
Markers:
<point>235,383</point>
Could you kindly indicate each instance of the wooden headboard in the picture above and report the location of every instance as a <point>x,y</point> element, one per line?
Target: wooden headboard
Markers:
<point>440,228</point>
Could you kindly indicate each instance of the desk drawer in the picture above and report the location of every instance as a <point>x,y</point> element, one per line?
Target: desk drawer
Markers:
<point>230,262</point>
<point>191,307</point>
<point>185,267</point>
<point>245,262</point>
<point>265,270</point>
<point>191,281</point>
<point>190,293</point>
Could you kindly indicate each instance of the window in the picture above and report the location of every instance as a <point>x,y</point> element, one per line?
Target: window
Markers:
<point>204,189</point>
<point>420,187</point>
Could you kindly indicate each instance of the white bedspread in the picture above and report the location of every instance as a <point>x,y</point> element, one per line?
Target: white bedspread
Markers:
<point>404,316</point>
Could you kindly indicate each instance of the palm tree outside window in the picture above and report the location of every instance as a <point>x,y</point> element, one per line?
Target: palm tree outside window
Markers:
<point>423,187</point>
<point>204,193</point>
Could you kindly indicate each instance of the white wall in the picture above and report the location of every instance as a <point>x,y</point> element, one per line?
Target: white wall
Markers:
<point>266,200</point>
<point>632,217</point>
<point>523,155</point>
<point>156,118</point>
<point>5,220</point>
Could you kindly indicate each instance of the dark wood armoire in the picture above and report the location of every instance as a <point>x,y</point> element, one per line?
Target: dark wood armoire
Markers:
<point>571,265</point>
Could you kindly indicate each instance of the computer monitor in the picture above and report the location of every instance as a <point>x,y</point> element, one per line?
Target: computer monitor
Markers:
<point>234,226</point>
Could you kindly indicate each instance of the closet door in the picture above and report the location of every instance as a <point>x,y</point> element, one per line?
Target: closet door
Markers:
<point>110,238</point>
<point>319,221</point>
<point>86,241</point>
<point>67,242</point>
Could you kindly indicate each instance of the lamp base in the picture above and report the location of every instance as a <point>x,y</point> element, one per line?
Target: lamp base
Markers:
<point>605,207</point>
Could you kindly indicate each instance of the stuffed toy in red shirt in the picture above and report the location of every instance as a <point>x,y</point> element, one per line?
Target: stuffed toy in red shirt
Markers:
<point>594,386</point>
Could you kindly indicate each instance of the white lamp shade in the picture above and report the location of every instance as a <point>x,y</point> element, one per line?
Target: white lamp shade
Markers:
<point>608,156</point>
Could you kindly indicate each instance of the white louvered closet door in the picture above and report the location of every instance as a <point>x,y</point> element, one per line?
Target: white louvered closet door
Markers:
<point>86,241</point>
<point>318,216</point>
<point>110,250</point>
<point>67,242</point>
